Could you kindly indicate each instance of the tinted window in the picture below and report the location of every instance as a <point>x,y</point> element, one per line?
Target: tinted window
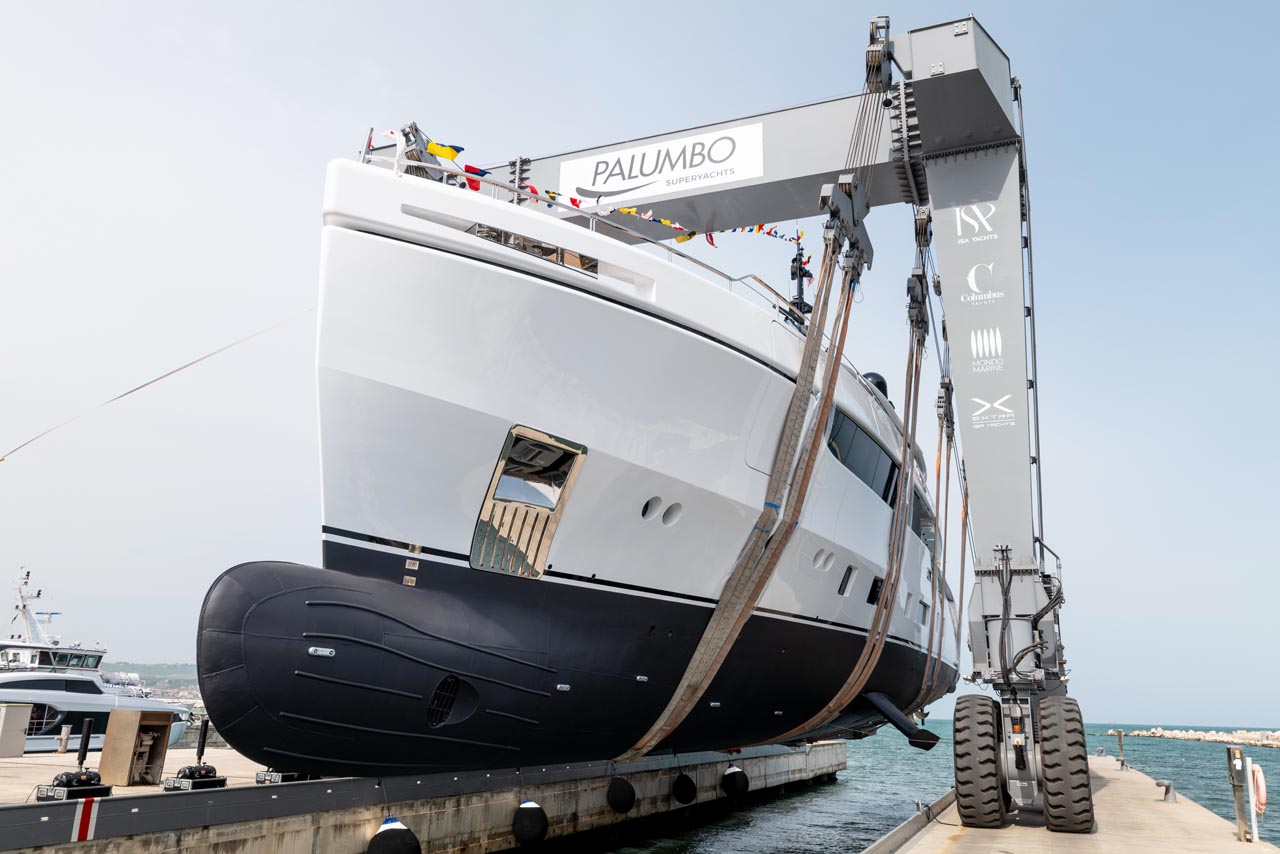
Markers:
<point>873,595</point>
<point>922,523</point>
<point>39,684</point>
<point>862,455</point>
<point>844,582</point>
<point>79,686</point>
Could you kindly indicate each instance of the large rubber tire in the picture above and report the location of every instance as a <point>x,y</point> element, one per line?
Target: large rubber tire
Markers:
<point>979,796</point>
<point>1064,759</point>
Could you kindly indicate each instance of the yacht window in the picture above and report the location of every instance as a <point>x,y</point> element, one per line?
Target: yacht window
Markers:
<point>34,657</point>
<point>82,686</point>
<point>43,719</point>
<point>924,613</point>
<point>39,684</point>
<point>873,595</point>
<point>861,454</point>
<point>922,523</point>
<point>91,661</point>
<point>77,661</point>
<point>844,582</point>
<point>61,659</point>
<point>531,246</point>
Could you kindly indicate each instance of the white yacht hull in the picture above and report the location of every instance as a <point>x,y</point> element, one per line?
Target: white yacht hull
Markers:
<point>434,345</point>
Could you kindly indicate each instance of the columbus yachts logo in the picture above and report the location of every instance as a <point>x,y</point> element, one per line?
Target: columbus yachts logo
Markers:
<point>687,163</point>
<point>973,223</point>
<point>976,277</point>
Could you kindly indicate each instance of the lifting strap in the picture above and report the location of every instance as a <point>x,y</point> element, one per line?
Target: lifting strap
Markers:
<point>937,625</point>
<point>878,632</point>
<point>759,557</point>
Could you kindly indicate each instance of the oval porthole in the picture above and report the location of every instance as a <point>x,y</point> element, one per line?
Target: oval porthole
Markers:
<point>819,558</point>
<point>829,562</point>
<point>672,514</point>
<point>651,508</point>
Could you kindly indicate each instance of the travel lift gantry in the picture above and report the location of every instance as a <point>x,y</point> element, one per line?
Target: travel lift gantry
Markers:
<point>953,148</point>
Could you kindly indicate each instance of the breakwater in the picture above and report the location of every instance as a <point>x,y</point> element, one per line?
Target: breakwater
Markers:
<point>1244,737</point>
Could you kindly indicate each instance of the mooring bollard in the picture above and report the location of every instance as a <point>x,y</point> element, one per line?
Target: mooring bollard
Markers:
<point>1170,796</point>
<point>1238,775</point>
<point>1120,748</point>
<point>65,738</point>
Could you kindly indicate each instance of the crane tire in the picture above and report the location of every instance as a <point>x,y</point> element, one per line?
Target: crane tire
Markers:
<point>979,791</point>
<point>1064,760</point>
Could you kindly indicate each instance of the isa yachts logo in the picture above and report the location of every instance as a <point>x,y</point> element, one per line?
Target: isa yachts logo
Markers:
<point>686,163</point>
<point>976,279</point>
<point>973,223</point>
<point>987,349</point>
<point>992,414</point>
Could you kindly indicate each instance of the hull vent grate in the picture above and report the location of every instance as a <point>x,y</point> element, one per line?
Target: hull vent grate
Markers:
<point>442,700</point>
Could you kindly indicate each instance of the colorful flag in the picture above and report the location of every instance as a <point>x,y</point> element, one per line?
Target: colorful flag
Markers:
<point>577,203</point>
<point>628,211</point>
<point>710,240</point>
<point>448,152</point>
<point>473,184</point>
<point>685,238</point>
<point>647,215</point>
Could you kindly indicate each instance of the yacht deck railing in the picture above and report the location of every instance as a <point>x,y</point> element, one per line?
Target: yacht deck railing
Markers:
<point>751,281</point>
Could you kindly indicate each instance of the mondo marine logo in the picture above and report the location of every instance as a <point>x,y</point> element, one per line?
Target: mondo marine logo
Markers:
<point>662,167</point>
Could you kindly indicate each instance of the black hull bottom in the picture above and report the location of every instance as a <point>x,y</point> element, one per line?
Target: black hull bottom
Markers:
<point>352,673</point>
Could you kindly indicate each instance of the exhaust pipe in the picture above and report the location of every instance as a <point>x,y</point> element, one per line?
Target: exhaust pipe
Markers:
<point>916,736</point>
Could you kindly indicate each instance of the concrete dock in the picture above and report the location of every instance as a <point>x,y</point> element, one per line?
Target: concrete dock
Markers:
<point>469,811</point>
<point>1129,815</point>
<point>19,777</point>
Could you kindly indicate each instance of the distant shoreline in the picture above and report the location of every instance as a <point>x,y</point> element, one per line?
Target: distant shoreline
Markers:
<point>1243,737</point>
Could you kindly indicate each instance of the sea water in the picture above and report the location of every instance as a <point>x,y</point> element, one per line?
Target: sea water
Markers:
<point>886,777</point>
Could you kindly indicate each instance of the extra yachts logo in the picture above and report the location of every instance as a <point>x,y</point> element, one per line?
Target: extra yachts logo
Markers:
<point>687,163</point>
<point>973,223</point>
<point>992,414</point>
<point>987,348</point>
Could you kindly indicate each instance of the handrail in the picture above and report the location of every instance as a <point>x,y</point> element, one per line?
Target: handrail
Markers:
<point>398,164</point>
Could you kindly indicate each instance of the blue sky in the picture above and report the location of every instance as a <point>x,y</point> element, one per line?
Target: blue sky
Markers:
<point>161,177</point>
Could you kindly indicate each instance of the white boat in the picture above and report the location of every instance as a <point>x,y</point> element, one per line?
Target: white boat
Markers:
<point>64,684</point>
<point>542,451</point>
